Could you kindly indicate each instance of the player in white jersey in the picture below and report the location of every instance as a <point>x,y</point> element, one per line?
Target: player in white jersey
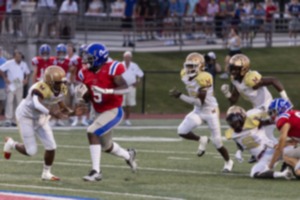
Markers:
<point>199,85</point>
<point>33,118</point>
<point>247,133</point>
<point>252,87</point>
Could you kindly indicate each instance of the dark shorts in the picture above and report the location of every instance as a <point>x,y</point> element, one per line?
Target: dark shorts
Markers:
<point>127,22</point>
<point>234,52</point>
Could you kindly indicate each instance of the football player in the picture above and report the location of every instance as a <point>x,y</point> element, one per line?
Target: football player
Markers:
<point>249,135</point>
<point>199,85</point>
<point>33,118</point>
<point>41,62</point>
<point>288,123</point>
<point>104,81</point>
<point>75,67</point>
<point>252,87</point>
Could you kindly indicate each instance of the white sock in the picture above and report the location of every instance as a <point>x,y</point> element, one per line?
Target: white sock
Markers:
<point>280,174</point>
<point>119,151</point>
<point>83,118</point>
<point>46,168</point>
<point>297,166</point>
<point>95,151</point>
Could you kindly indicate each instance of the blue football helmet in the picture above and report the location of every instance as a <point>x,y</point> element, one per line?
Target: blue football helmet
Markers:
<point>61,48</point>
<point>279,106</point>
<point>45,49</point>
<point>95,56</point>
<point>82,49</point>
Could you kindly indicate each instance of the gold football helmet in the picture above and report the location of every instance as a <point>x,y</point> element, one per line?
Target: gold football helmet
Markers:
<point>55,76</point>
<point>236,117</point>
<point>194,63</point>
<point>239,62</point>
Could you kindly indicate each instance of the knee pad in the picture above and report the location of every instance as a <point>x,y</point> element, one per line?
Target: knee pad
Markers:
<point>217,141</point>
<point>31,151</point>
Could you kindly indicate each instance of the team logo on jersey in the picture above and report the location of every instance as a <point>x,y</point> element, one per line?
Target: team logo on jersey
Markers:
<point>255,80</point>
<point>208,82</point>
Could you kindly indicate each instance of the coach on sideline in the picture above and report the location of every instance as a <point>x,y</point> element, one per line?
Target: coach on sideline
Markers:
<point>129,99</point>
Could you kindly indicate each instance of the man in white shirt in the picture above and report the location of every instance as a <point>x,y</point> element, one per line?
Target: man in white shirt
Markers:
<point>15,73</point>
<point>129,99</point>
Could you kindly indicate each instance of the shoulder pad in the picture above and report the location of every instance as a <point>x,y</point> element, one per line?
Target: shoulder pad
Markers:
<point>252,78</point>
<point>251,122</point>
<point>43,89</point>
<point>182,73</point>
<point>204,79</point>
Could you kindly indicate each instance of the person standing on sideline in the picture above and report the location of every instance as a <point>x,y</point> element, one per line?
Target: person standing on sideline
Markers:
<point>129,99</point>
<point>2,85</point>
<point>15,73</point>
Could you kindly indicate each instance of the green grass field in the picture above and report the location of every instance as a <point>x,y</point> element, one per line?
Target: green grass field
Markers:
<point>168,169</point>
<point>269,61</point>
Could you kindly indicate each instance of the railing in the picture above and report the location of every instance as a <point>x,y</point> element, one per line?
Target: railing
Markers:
<point>170,33</point>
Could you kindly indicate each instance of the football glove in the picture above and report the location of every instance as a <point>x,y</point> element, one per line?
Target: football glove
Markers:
<point>225,90</point>
<point>80,91</point>
<point>174,92</point>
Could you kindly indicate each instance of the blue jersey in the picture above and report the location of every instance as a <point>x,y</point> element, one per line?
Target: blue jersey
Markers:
<point>129,9</point>
<point>294,9</point>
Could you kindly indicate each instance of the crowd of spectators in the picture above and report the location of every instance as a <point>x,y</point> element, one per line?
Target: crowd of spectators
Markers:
<point>156,19</point>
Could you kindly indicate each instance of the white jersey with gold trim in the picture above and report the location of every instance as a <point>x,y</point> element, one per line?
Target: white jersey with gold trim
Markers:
<point>259,98</point>
<point>26,107</point>
<point>204,81</point>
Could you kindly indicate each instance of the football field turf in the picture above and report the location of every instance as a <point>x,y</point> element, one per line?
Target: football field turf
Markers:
<point>168,169</point>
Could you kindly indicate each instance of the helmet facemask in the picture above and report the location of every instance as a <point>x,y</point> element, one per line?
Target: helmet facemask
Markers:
<point>236,121</point>
<point>192,69</point>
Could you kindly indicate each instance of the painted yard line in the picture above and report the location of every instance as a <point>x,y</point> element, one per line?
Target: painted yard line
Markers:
<point>156,127</point>
<point>186,171</point>
<point>145,196</point>
<point>178,158</point>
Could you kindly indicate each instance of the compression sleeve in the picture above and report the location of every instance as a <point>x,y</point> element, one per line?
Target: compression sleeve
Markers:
<point>37,105</point>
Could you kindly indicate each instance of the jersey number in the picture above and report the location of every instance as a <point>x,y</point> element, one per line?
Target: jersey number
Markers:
<point>297,114</point>
<point>97,97</point>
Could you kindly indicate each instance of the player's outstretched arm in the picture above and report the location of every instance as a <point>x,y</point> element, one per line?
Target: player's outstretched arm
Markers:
<point>266,81</point>
<point>174,92</point>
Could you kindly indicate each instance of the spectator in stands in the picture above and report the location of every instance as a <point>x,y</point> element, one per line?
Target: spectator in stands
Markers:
<point>96,8</point>
<point>162,15</point>
<point>294,23</point>
<point>234,45</point>
<point>2,85</point>
<point>270,9</point>
<point>46,16</point>
<point>201,19</point>
<point>190,19</point>
<point>67,19</point>
<point>150,18</point>
<point>171,24</point>
<point>212,11</point>
<point>258,19</point>
<point>15,73</point>
<point>128,15</point>
<point>2,13</point>
<point>16,14</point>
<point>7,19</point>
<point>211,65</point>
<point>245,25</point>
<point>117,9</point>
<point>141,8</point>
<point>129,99</point>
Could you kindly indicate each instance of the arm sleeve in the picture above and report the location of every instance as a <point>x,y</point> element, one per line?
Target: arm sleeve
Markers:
<point>38,106</point>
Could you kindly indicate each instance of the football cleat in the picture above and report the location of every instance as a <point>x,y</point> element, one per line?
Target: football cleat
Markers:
<point>47,176</point>
<point>228,166</point>
<point>287,174</point>
<point>93,176</point>
<point>8,146</point>
<point>204,140</point>
<point>131,162</point>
